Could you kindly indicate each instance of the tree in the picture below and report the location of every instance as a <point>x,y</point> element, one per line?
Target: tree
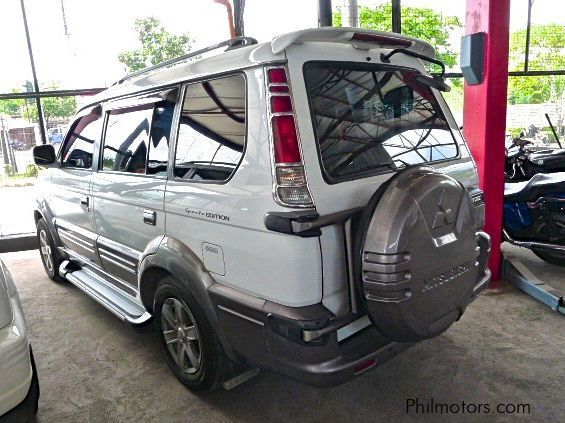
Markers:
<point>418,22</point>
<point>157,45</point>
<point>546,53</point>
<point>11,107</point>
<point>53,107</point>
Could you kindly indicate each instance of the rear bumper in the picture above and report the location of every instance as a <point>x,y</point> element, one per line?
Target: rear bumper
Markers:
<point>270,336</point>
<point>334,363</point>
<point>26,408</point>
<point>308,343</point>
<point>484,271</point>
<point>15,362</point>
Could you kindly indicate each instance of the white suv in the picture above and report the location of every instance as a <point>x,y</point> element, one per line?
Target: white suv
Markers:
<point>306,205</point>
<point>19,387</point>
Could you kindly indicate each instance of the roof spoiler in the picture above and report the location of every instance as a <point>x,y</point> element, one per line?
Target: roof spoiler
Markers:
<point>357,37</point>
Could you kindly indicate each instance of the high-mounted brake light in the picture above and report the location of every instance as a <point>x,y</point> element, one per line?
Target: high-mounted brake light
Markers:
<point>381,40</point>
<point>290,179</point>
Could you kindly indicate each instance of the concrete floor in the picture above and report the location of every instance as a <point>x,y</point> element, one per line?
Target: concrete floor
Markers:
<point>507,348</point>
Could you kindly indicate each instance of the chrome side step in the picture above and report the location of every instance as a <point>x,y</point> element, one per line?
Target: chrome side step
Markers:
<point>103,293</point>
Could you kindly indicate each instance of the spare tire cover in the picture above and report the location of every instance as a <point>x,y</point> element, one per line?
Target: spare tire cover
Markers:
<point>418,248</point>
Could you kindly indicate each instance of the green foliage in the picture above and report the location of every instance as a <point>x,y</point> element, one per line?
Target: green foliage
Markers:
<point>157,45</point>
<point>454,98</point>
<point>31,171</point>
<point>53,107</point>
<point>107,163</point>
<point>11,107</point>
<point>514,132</point>
<point>9,170</point>
<point>418,22</point>
<point>546,53</point>
<point>546,49</point>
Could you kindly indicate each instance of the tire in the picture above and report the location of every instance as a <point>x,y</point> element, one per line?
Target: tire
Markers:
<point>199,365</point>
<point>551,258</point>
<point>26,411</point>
<point>48,252</point>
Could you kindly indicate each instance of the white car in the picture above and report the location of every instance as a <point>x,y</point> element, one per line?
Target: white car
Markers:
<point>19,387</point>
<point>305,205</point>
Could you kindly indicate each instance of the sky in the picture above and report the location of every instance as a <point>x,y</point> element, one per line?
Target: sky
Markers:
<point>85,55</point>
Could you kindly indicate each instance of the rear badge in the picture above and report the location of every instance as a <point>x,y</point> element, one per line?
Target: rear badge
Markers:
<point>446,277</point>
<point>445,215</point>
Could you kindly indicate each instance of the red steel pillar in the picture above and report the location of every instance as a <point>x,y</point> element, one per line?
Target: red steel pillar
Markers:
<point>484,114</point>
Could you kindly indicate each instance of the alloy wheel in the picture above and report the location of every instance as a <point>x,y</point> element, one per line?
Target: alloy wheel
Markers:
<point>181,335</point>
<point>46,252</point>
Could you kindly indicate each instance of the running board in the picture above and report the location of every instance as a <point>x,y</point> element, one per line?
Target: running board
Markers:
<point>107,296</point>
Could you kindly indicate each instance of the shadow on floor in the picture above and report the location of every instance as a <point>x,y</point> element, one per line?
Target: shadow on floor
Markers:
<point>506,349</point>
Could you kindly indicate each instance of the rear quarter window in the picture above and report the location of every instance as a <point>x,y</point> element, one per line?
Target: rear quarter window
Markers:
<point>212,130</point>
<point>371,119</point>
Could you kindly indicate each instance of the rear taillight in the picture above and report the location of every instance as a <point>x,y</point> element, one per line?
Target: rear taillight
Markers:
<point>285,140</point>
<point>290,180</point>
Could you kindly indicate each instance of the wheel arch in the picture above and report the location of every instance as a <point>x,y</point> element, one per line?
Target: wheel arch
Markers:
<point>36,216</point>
<point>43,211</point>
<point>149,280</point>
<point>174,258</point>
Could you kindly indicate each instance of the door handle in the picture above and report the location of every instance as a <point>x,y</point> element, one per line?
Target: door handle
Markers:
<point>150,217</point>
<point>84,201</point>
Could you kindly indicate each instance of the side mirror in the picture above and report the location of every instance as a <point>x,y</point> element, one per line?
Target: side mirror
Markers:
<point>436,82</point>
<point>44,155</point>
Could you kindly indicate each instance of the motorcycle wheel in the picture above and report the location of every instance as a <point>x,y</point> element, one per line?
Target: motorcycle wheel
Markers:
<point>557,259</point>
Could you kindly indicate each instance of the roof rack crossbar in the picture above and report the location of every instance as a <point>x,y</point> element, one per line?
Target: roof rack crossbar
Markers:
<point>231,44</point>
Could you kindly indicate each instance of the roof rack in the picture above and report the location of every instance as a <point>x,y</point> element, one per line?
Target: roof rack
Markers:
<point>231,44</point>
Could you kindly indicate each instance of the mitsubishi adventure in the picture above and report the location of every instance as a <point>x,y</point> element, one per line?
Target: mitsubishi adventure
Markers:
<point>306,206</point>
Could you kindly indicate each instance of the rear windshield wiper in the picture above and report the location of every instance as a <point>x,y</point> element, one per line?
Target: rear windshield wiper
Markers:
<point>436,82</point>
<point>385,58</point>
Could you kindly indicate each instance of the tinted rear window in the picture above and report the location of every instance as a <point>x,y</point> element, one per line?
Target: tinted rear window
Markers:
<point>370,119</point>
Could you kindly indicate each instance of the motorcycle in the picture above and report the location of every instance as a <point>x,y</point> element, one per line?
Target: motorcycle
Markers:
<point>523,162</point>
<point>534,200</point>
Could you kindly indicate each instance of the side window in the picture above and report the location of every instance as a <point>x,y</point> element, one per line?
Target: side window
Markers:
<point>211,136</point>
<point>127,140</point>
<point>79,147</point>
<point>159,138</point>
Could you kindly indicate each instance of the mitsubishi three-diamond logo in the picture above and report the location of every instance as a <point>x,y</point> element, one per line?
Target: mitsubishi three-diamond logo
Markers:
<point>445,215</point>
